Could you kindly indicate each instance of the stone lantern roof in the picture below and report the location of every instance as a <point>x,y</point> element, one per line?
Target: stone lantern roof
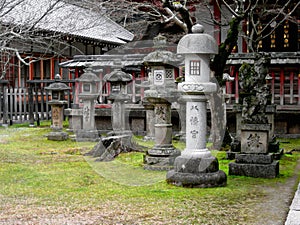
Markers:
<point>161,56</point>
<point>118,76</point>
<point>197,42</point>
<point>88,77</point>
<point>57,86</point>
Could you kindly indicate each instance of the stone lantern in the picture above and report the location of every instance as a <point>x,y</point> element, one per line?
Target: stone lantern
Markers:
<point>196,167</point>
<point>118,80</point>
<point>88,94</point>
<point>57,103</point>
<point>162,93</point>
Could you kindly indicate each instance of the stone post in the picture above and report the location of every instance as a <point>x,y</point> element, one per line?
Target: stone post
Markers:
<point>196,167</point>
<point>88,94</point>
<point>150,121</point>
<point>57,104</point>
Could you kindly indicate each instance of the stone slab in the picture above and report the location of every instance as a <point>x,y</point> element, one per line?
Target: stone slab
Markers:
<point>163,151</point>
<point>254,141</point>
<point>230,155</point>
<point>87,135</point>
<point>256,127</point>
<point>57,136</point>
<point>294,213</point>
<point>254,158</point>
<point>296,201</point>
<point>254,170</point>
<point>293,218</point>
<point>200,180</point>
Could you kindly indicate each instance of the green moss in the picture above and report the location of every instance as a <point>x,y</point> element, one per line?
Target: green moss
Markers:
<point>36,172</point>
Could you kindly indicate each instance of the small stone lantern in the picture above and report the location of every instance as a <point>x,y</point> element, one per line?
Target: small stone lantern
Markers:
<point>118,80</point>
<point>57,103</point>
<point>196,167</point>
<point>162,93</point>
<point>87,95</point>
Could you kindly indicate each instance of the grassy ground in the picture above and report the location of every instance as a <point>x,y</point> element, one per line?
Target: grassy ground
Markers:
<point>48,182</point>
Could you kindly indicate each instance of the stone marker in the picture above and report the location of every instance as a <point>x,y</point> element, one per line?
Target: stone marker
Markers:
<point>196,167</point>
<point>254,159</point>
<point>57,104</point>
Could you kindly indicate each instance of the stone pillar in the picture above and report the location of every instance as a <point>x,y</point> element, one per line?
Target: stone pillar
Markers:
<point>150,121</point>
<point>182,116</point>
<point>196,167</point>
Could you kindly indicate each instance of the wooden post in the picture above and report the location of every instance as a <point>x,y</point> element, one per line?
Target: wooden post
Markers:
<point>19,73</point>
<point>4,101</point>
<point>37,104</point>
<point>133,88</point>
<point>273,87</point>
<point>291,87</point>
<point>31,70</point>
<point>281,86</point>
<point>299,89</point>
<point>52,71</point>
<point>5,105</point>
<point>30,104</point>
<point>217,17</point>
<point>236,87</point>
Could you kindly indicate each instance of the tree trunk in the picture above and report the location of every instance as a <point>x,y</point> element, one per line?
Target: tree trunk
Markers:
<point>217,103</point>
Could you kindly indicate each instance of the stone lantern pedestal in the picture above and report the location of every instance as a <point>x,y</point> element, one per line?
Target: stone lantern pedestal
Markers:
<point>163,154</point>
<point>254,159</point>
<point>196,167</point>
<point>88,94</point>
<point>57,104</point>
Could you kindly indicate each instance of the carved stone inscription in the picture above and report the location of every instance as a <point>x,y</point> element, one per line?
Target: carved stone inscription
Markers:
<point>194,121</point>
<point>254,142</point>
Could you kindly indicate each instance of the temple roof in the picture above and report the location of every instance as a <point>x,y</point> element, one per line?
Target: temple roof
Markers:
<point>64,18</point>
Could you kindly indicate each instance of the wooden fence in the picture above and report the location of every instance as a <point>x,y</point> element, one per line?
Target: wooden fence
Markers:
<point>31,104</point>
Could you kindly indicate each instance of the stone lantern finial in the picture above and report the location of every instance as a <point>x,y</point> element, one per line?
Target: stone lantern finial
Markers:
<point>198,28</point>
<point>159,41</point>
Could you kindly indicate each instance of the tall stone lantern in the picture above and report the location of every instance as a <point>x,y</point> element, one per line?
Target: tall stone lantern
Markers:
<point>196,167</point>
<point>57,104</point>
<point>87,95</point>
<point>118,80</point>
<point>161,94</point>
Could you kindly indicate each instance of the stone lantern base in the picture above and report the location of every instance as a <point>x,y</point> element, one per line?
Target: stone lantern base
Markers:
<point>160,159</point>
<point>254,160</point>
<point>196,172</point>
